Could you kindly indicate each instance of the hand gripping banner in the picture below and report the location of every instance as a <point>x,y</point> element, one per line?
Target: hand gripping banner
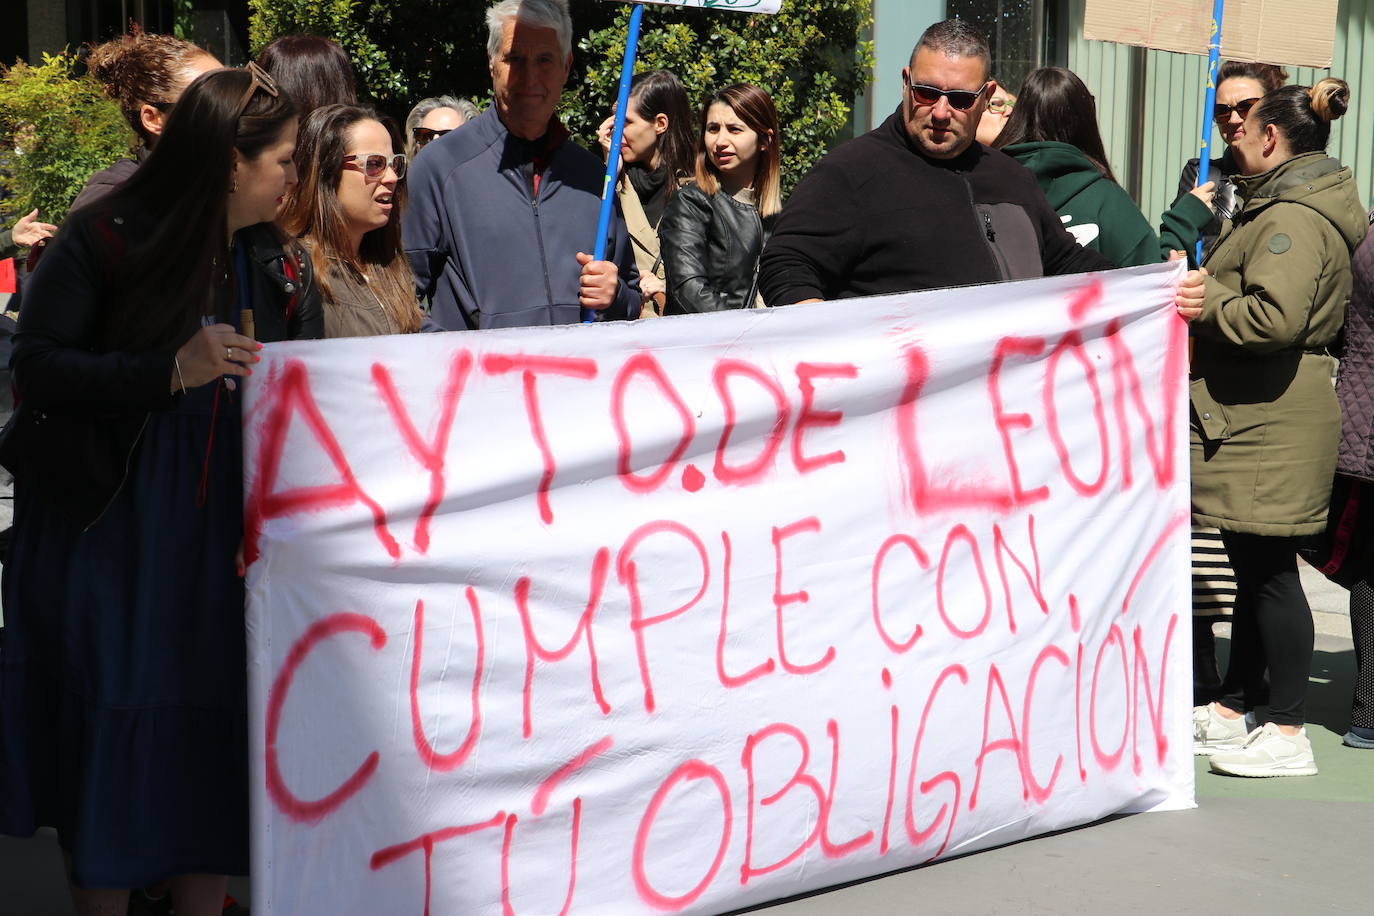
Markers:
<point>688,614</point>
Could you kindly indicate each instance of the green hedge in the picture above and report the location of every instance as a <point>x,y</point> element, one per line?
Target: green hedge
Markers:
<point>809,57</point>
<point>57,130</point>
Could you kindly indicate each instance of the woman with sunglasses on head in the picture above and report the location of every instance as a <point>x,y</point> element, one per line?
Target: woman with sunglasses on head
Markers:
<point>347,211</point>
<point>1053,132</point>
<point>715,228</point>
<point>433,118</point>
<point>145,75</point>
<point>1265,308</point>
<point>1240,84</point>
<point>123,678</point>
<point>657,154</point>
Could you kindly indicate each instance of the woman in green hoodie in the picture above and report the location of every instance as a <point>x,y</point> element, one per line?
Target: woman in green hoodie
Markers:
<point>1267,304</point>
<point>1053,132</point>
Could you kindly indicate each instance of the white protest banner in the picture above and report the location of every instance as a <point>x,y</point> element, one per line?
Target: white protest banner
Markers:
<point>694,613</point>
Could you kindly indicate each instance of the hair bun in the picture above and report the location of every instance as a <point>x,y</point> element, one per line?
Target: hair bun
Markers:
<point>1330,98</point>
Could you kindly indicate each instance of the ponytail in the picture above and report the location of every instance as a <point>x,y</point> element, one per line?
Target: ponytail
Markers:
<point>1304,114</point>
<point>1330,99</point>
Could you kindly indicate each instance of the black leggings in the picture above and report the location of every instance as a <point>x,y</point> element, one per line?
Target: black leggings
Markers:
<point>1362,632</point>
<point>1272,627</point>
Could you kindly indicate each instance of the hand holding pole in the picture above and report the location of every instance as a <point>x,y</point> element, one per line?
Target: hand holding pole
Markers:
<point>627,69</point>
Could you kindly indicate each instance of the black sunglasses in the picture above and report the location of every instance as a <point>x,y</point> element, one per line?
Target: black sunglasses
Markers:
<point>424,135</point>
<point>959,99</point>
<point>1222,112</point>
<point>373,165</point>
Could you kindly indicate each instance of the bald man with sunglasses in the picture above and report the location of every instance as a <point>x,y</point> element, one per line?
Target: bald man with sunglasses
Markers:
<point>918,203</point>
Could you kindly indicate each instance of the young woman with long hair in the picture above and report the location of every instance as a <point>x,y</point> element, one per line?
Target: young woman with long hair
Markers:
<point>347,210</point>
<point>123,679</point>
<point>1053,132</point>
<point>657,154</point>
<point>145,75</point>
<point>714,229</point>
<point>1266,422</point>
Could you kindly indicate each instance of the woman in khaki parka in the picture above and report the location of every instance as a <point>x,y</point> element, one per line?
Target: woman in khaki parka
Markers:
<point>1269,301</point>
<point>657,154</point>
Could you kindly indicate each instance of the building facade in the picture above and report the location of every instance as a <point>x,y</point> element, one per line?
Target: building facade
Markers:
<point>35,27</point>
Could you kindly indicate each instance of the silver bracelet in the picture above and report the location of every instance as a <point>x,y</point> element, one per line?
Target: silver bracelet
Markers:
<point>176,362</point>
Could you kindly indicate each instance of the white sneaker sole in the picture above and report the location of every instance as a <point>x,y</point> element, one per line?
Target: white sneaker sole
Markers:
<point>1207,750</point>
<point>1261,770</point>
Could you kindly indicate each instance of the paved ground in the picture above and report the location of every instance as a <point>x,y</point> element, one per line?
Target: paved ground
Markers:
<point>1261,847</point>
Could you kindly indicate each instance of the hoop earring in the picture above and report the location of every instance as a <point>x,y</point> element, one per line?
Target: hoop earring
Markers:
<point>233,185</point>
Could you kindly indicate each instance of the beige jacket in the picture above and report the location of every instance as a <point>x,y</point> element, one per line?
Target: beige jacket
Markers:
<point>643,240</point>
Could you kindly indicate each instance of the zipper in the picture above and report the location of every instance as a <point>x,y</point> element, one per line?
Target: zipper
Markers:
<point>982,216</point>
<point>128,463</point>
<point>758,260</point>
<point>539,237</point>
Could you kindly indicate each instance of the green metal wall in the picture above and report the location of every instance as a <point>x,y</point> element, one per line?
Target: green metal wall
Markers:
<point>1149,104</point>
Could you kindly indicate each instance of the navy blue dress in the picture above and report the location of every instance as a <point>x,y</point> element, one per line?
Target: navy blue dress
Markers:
<point>122,667</point>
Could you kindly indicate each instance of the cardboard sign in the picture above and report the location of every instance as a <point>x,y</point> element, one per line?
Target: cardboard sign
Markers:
<point>690,614</point>
<point>1290,32</point>
<point>736,6</point>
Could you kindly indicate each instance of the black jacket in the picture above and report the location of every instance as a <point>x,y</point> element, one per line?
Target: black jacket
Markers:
<point>82,407</point>
<point>875,216</point>
<point>283,286</point>
<point>106,180</point>
<point>711,245</point>
<point>1221,170</point>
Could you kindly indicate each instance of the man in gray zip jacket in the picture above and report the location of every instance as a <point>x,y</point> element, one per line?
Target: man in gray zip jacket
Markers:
<point>504,209</point>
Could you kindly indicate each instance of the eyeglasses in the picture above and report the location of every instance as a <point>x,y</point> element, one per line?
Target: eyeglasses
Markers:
<point>959,99</point>
<point>999,105</point>
<point>1222,112</point>
<point>374,165</point>
<point>424,135</point>
<point>261,80</point>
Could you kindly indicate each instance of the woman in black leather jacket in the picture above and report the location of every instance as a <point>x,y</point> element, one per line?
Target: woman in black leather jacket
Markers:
<point>715,228</point>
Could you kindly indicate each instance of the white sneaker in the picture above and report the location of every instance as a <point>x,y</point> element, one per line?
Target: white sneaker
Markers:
<point>1213,733</point>
<point>1269,752</point>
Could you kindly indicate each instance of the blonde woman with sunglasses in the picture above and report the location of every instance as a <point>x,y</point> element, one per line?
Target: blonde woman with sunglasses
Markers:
<point>347,210</point>
<point>123,693</point>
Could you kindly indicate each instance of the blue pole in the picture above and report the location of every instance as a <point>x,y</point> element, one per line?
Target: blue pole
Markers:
<point>627,69</point>
<point>1213,64</point>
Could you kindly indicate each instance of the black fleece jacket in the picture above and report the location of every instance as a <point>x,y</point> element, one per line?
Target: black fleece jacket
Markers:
<point>875,216</point>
